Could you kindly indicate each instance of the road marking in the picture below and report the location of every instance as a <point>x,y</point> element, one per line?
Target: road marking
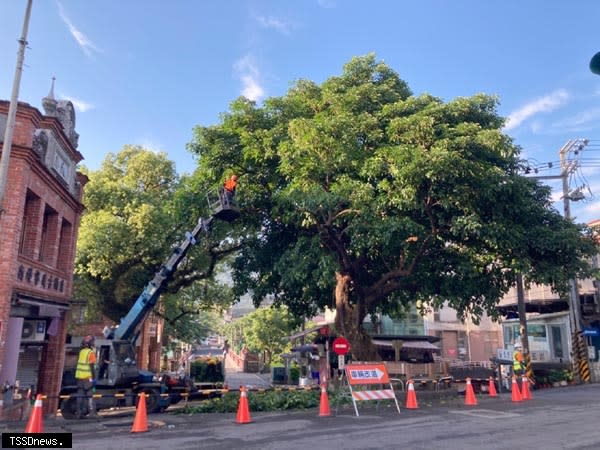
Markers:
<point>486,413</point>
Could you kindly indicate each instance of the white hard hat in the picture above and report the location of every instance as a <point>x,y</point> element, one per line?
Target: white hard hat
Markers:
<point>517,345</point>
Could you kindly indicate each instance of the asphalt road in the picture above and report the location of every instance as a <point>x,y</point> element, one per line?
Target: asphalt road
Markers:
<point>560,418</point>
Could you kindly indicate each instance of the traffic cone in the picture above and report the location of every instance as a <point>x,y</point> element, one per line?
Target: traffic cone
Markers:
<point>411,396</point>
<point>470,399</point>
<point>243,412</point>
<point>140,422</point>
<point>525,392</point>
<point>516,393</point>
<point>492,388</point>
<point>324,404</point>
<point>35,424</point>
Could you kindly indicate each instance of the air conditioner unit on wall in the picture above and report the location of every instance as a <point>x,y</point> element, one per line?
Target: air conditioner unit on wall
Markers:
<point>33,330</point>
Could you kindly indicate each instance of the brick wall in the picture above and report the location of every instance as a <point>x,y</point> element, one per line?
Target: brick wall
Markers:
<point>43,274</point>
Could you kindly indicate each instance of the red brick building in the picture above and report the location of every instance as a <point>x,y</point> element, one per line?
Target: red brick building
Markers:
<point>39,222</point>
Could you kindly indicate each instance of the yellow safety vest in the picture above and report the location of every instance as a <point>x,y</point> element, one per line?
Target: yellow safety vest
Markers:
<point>518,361</point>
<point>83,364</point>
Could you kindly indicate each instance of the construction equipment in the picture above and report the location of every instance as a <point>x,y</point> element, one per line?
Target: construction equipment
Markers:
<point>120,382</point>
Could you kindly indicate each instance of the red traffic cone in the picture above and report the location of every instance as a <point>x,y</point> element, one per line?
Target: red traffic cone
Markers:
<point>492,388</point>
<point>525,392</point>
<point>324,409</point>
<point>140,422</point>
<point>243,412</point>
<point>516,393</point>
<point>470,399</point>
<point>35,423</point>
<point>411,396</point>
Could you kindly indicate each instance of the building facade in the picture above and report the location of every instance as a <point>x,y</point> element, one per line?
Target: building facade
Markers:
<point>39,222</point>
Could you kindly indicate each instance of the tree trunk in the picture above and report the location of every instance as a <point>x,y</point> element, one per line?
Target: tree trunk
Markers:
<point>349,319</point>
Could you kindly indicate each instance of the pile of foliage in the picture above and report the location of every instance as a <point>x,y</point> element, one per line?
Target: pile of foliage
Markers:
<point>265,401</point>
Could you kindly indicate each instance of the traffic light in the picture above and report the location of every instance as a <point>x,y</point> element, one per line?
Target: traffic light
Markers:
<point>595,64</point>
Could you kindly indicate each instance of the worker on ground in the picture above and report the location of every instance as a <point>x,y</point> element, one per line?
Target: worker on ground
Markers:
<point>518,360</point>
<point>84,374</point>
<point>229,188</point>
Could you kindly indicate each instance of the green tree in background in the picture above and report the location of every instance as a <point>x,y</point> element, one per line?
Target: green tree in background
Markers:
<point>137,209</point>
<point>264,331</point>
<point>357,195</point>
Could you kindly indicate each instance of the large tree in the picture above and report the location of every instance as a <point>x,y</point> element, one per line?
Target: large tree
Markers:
<point>355,194</point>
<point>137,209</point>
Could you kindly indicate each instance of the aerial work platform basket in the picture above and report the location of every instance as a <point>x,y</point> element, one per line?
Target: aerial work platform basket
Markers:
<point>222,207</point>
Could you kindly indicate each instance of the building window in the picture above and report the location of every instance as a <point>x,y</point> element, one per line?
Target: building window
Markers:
<point>557,343</point>
<point>49,235</point>
<point>64,246</point>
<point>29,225</point>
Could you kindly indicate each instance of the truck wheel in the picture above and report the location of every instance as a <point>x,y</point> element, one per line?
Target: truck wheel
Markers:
<point>68,408</point>
<point>152,400</point>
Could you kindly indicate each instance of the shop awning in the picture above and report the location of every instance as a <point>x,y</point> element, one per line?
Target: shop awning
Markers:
<point>422,345</point>
<point>48,308</point>
<point>541,306</point>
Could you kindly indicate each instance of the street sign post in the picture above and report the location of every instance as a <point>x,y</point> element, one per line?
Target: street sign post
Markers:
<point>341,346</point>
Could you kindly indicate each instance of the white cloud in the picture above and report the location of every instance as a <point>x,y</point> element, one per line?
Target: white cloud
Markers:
<point>579,121</point>
<point>327,3</point>
<point>84,42</point>
<point>541,105</point>
<point>79,105</point>
<point>250,77</point>
<point>150,144</point>
<point>275,24</point>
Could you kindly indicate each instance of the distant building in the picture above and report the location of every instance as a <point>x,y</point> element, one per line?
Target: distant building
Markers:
<point>39,223</point>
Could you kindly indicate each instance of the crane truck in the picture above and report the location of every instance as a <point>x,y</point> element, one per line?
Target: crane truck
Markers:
<point>120,382</point>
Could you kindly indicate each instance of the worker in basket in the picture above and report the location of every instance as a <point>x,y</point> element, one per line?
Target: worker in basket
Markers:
<point>229,189</point>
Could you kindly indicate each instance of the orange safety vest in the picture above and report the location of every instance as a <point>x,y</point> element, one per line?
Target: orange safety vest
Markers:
<point>230,185</point>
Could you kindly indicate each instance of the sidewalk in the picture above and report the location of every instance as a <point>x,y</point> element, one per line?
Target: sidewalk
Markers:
<point>234,377</point>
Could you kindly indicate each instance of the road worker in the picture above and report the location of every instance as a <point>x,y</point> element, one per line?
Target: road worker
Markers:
<point>518,360</point>
<point>84,374</point>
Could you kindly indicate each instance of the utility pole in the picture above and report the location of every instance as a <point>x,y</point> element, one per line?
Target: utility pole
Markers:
<point>12,109</point>
<point>578,344</point>
<point>523,326</point>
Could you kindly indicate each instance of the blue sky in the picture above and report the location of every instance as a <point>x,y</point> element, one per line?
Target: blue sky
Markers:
<point>146,72</point>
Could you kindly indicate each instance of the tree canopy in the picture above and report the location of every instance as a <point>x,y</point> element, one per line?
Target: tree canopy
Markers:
<point>358,195</point>
<point>137,209</point>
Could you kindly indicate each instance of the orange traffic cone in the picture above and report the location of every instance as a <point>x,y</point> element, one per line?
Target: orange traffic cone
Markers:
<point>411,396</point>
<point>35,423</point>
<point>492,388</point>
<point>324,404</point>
<point>525,392</point>
<point>516,393</point>
<point>243,412</point>
<point>140,422</point>
<point>470,399</point>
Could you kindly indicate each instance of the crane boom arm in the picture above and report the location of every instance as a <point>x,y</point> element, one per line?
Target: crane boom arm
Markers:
<point>149,296</point>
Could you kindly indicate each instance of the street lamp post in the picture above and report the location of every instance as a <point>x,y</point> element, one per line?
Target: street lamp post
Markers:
<point>12,109</point>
